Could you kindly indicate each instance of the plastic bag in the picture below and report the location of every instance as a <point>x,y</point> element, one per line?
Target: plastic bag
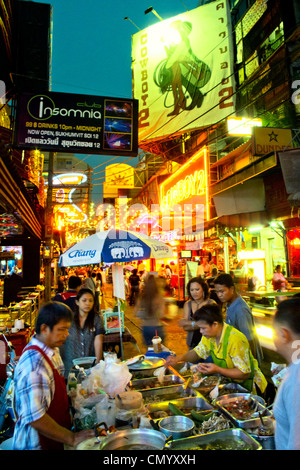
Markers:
<point>278,371</point>
<point>113,376</point>
<point>106,411</point>
<point>85,418</point>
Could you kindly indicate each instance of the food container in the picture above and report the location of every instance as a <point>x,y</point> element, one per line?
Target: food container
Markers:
<point>85,362</point>
<point>147,363</point>
<point>267,442</point>
<point>134,439</point>
<point>182,369</point>
<point>254,420</point>
<point>159,410</point>
<point>230,439</point>
<point>167,394</point>
<point>153,382</point>
<point>232,387</point>
<point>216,422</point>
<point>267,438</point>
<point>176,426</point>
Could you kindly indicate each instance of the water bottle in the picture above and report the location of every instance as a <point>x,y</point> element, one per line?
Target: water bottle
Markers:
<point>72,382</point>
<point>81,375</point>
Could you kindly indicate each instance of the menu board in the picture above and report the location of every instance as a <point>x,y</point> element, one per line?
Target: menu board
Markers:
<point>71,123</point>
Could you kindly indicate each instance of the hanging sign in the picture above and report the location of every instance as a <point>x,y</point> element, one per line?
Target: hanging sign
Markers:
<point>69,123</point>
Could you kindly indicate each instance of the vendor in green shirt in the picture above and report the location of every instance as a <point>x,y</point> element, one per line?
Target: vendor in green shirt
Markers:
<point>228,347</point>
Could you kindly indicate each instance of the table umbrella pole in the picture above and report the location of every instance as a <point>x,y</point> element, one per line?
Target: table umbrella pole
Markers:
<point>120,326</point>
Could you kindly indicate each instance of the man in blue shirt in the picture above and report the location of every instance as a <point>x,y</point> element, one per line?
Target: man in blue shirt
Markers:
<point>238,313</point>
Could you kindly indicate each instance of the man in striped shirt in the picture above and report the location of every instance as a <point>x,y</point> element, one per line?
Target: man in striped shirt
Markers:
<point>41,400</point>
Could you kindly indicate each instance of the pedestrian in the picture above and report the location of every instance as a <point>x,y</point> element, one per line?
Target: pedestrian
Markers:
<point>86,332</point>
<point>211,285</point>
<point>89,283</point>
<point>41,400</point>
<point>286,406</point>
<point>150,308</point>
<point>134,281</point>
<point>229,349</point>
<point>197,290</point>
<point>238,313</point>
<point>252,280</point>
<point>169,273</point>
<point>98,291</point>
<point>69,296</point>
<point>103,276</point>
<point>161,271</point>
<point>278,281</point>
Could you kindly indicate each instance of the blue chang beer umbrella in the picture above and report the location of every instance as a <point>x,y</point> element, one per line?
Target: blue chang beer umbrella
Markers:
<point>114,246</point>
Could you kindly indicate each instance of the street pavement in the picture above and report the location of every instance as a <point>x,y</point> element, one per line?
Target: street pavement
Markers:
<point>175,336</point>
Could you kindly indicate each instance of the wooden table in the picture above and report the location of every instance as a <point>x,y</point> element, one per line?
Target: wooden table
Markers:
<point>259,294</point>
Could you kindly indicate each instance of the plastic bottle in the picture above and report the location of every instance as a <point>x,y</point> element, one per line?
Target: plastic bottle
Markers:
<point>72,382</point>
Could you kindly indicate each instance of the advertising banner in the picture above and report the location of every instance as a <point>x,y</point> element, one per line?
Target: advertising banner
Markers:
<point>85,124</point>
<point>183,72</point>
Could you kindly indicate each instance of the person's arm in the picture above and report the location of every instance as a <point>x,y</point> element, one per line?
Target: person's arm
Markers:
<point>189,356</point>
<point>211,368</point>
<point>98,345</point>
<point>185,322</point>
<point>50,429</point>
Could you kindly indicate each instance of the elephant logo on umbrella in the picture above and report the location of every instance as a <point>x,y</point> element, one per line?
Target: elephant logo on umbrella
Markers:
<point>122,250</point>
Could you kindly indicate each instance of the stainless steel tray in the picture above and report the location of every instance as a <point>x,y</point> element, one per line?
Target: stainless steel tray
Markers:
<point>147,363</point>
<point>188,403</point>
<point>168,394</point>
<point>143,373</point>
<point>243,423</point>
<point>153,383</point>
<point>232,387</point>
<point>193,442</point>
<point>178,366</point>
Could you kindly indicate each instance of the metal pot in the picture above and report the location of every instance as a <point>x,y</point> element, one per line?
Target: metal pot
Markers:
<point>134,439</point>
<point>177,426</point>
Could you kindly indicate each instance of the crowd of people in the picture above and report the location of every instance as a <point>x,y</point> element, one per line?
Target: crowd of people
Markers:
<point>217,325</point>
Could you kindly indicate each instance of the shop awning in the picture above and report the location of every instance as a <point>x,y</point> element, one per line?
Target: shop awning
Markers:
<point>244,220</point>
<point>240,199</point>
<point>13,195</point>
<point>237,152</point>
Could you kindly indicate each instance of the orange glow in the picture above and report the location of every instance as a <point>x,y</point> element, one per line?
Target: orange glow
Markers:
<point>295,242</point>
<point>189,181</point>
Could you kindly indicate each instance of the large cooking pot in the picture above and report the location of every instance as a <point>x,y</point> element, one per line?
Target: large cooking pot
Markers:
<point>177,426</point>
<point>134,439</point>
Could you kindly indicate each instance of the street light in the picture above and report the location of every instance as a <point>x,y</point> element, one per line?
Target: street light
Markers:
<point>127,18</point>
<point>151,10</point>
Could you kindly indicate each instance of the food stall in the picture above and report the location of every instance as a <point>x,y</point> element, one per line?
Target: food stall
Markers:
<point>17,320</point>
<point>140,404</point>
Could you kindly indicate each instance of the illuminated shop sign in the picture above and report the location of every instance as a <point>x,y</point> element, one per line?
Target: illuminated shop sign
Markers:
<point>188,185</point>
<point>270,139</point>
<point>242,126</point>
<point>64,187</point>
<point>66,122</point>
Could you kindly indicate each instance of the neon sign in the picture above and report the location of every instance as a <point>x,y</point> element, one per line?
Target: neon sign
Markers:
<point>188,184</point>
